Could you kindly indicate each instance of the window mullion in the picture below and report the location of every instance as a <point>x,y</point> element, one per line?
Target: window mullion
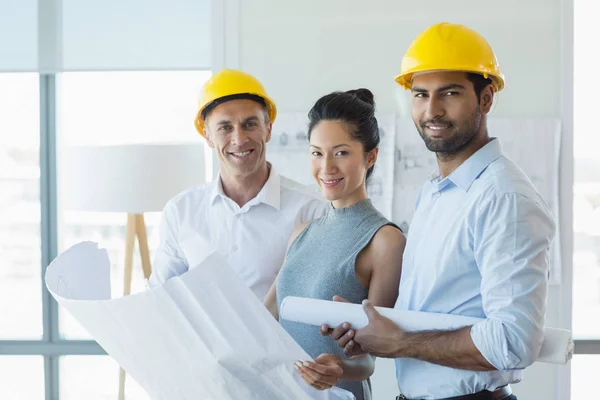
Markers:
<point>48,213</point>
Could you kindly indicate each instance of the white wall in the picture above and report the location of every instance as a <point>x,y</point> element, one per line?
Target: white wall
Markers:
<point>301,50</point>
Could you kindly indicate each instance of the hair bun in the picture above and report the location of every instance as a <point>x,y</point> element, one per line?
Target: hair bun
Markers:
<point>363,94</point>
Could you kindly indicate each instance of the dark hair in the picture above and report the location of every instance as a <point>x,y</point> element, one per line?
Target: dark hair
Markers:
<point>354,107</point>
<point>479,83</point>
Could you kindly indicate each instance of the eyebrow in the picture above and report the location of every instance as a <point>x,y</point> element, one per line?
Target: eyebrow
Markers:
<point>228,122</point>
<point>442,89</point>
<point>334,147</point>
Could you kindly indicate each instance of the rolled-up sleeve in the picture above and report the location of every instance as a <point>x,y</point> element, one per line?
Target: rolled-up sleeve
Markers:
<point>168,260</point>
<point>511,239</point>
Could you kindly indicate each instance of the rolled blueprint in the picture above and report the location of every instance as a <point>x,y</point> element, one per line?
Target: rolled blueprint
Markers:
<point>556,349</point>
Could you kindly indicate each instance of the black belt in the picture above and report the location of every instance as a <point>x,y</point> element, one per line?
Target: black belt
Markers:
<point>498,394</point>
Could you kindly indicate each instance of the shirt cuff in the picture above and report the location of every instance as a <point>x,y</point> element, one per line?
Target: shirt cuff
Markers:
<point>490,338</point>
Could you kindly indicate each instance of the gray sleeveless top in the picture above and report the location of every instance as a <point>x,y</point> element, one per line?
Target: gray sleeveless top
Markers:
<point>319,264</point>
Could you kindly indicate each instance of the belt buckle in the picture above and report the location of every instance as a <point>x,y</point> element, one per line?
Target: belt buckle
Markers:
<point>401,397</point>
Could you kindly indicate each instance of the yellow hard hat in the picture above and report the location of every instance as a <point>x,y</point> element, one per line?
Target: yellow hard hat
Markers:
<point>231,84</point>
<point>450,47</point>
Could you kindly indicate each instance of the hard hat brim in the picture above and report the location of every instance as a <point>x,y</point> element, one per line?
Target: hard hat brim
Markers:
<point>405,79</point>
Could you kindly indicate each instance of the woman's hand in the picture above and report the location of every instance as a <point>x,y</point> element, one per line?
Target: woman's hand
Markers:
<point>323,373</point>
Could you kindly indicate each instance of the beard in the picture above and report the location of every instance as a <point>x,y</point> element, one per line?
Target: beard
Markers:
<point>461,135</point>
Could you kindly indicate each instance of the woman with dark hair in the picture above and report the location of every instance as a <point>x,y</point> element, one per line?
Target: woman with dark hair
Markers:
<point>353,252</point>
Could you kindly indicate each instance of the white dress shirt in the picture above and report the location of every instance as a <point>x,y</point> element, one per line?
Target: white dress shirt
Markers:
<point>253,238</point>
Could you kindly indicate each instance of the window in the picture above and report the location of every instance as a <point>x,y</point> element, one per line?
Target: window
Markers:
<point>584,373</point>
<point>92,108</point>
<point>586,193</point>
<point>20,244</point>
<point>22,377</point>
<point>47,104</point>
<point>94,378</point>
<point>586,208</point>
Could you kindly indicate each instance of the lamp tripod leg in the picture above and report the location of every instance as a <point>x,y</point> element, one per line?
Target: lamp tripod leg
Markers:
<point>129,244</point>
<point>140,227</point>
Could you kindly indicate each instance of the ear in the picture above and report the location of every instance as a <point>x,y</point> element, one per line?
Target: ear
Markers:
<point>487,99</point>
<point>269,130</point>
<point>372,157</point>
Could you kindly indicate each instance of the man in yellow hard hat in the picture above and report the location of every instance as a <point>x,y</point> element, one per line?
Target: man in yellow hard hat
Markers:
<point>479,240</point>
<point>249,212</point>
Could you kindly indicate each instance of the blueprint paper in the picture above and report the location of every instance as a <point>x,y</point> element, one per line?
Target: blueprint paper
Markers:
<point>202,335</point>
<point>556,349</point>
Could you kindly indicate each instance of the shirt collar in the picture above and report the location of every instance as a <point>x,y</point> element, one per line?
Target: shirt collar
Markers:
<point>217,189</point>
<point>470,169</point>
<point>270,193</point>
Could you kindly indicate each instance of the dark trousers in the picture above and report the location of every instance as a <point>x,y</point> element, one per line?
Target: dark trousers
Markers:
<point>511,397</point>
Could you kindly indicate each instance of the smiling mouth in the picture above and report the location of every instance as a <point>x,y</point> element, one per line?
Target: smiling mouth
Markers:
<point>437,130</point>
<point>331,182</point>
<point>438,127</point>
<point>242,154</point>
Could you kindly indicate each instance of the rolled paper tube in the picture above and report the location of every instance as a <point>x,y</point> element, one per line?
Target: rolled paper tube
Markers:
<point>557,347</point>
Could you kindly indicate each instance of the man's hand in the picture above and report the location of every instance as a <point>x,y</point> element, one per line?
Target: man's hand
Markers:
<point>323,373</point>
<point>381,337</point>
<point>342,334</point>
<point>454,349</point>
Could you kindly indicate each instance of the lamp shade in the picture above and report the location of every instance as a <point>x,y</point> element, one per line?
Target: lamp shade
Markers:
<point>133,178</point>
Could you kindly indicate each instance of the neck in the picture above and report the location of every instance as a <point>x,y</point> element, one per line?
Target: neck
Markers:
<point>358,195</point>
<point>448,162</point>
<point>243,188</point>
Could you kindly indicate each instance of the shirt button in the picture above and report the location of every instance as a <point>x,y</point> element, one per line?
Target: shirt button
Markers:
<point>235,247</point>
<point>437,194</point>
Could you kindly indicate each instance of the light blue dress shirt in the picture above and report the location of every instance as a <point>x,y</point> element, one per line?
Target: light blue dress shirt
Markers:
<point>478,245</point>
